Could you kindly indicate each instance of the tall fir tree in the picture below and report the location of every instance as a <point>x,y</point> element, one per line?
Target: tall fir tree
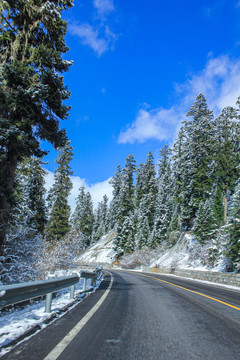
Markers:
<point>146,189</point>
<point>204,223</point>
<point>115,206</point>
<point>226,152</point>
<point>198,157</point>
<point>32,92</point>
<point>36,194</point>
<point>58,223</point>
<point>82,218</point>
<point>163,211</point>
<point>234,244</point>
<point>178,176</point>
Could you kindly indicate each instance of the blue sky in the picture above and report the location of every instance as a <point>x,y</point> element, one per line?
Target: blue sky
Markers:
<point>138,66</point>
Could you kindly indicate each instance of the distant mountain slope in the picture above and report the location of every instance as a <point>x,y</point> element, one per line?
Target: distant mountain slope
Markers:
<point>100,252</point>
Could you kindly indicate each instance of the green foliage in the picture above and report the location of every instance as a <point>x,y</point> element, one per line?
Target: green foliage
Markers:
<point>58,223</point>
<point>204,223</point>
<point>32,92</point>
<point>82,219</point>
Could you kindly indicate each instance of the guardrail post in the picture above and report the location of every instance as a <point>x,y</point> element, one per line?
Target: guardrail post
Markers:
<point>48,303</point>
<point>84,284</point>
<point>72,292</point>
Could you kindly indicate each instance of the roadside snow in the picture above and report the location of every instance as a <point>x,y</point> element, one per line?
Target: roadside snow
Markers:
<point>187,253</point>
<point>16,322</point>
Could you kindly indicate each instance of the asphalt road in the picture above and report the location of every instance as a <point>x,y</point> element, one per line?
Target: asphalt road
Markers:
<point>143,316</point>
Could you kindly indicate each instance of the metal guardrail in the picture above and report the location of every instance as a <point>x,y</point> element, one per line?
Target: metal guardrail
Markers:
<point>16,293</point>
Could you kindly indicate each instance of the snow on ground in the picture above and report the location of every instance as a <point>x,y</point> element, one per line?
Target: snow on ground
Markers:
<point>187,253</point>
<point>17,321</point>
<point>100,252</point>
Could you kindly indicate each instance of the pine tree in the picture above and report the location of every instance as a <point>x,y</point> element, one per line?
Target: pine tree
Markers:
<point>36,194</point>
<point>82,219</point>
<point>115,206</point>
<point>126,194</point>
<point>204,223</point>
<point>101,219</point>
<point>146,189</point>
<point>234,212</point>
<point>58,224</point>
<point>125,242</point>
<point>32,92</point>
<point>226,152</point>
<point>178,175</point>
<point>142,232</point>
<point>163,202</point>
<point>198,152</point>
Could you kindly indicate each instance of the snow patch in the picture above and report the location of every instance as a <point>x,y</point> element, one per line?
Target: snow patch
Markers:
<point>100,252</point>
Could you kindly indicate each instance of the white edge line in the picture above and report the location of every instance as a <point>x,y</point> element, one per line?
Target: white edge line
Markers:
<point>59,348</point>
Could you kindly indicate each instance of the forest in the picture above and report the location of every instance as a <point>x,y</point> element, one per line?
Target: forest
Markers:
<point>194,185</point>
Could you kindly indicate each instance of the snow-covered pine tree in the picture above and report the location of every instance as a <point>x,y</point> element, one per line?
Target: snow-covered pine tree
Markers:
<point>126,207</point>
<point>142,231</point>
<point>234,212</point>
<point>127,235</point>
<point>204,223</point>
<point>227,158</point>
<point>78,213</point>
<point>100,225</point>
<point>126,194</point>
<point>32,92</point>
<point>36,194</point>
<point>146,189</point>
<point>163,211</point>
<point>58,223</point>
<point>82,218</point>
<point>198,157</point>
<point>178,170</point>
<point>115,208</point>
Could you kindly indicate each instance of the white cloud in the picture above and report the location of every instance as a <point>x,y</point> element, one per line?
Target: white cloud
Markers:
<point>103,7</point>
<point>90,36</point>
<point>155,124</point>
<point>98,36</point>
<point>219,82</point>
<point>97,190</point>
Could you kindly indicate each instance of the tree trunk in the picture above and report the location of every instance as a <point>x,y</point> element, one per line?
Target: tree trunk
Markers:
<point>179,218</point>
<point>8,169</point>
<point>225,203</point>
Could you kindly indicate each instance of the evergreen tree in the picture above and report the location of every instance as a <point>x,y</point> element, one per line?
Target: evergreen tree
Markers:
<point>234,245</point>
<point>115,206</point>
<point>163,202</point>
<point>146,189</point>
<point>82,219</point>
<point>36,194</point>
<point>142,232</point>
<point>126,194</point>
<point>58,223</point>
<point>32,92</point>
<point>198,148</point>
<point>125,241</point>
<point>30,194</point>
<point>178,175</point>
<point>101,220</point>
<point>227,152</point>
<point>204,223</point>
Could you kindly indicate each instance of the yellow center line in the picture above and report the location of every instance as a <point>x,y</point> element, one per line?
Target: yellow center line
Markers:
<point>192,291</point>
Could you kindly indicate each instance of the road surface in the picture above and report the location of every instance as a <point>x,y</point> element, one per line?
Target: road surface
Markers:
<point>143,316</point>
